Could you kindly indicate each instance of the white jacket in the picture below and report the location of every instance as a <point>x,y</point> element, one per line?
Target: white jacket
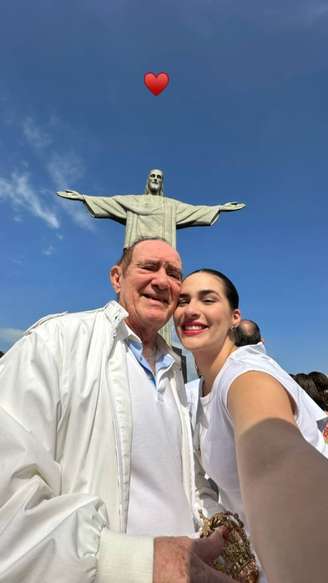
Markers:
<point>65,446</point>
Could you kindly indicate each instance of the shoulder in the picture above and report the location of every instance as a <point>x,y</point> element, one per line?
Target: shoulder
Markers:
<point>250,359</point>
<point>71,322</point>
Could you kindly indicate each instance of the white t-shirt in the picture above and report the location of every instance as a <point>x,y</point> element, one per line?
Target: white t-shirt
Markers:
<point>216,432</point>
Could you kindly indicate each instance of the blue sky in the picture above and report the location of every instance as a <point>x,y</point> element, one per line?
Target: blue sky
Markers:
<point>244,118</point>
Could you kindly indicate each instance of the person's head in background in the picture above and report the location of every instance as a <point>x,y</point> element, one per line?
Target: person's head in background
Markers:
<point>321,382</point>
<point>248,332</point>
<point>308,385</point>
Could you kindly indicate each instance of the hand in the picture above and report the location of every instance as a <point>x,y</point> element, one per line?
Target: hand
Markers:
<point>186,560</point>
<point>233,206</point>
<point>70,194</point>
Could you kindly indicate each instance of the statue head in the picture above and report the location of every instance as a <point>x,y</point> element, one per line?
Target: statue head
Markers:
<point>154,183</point>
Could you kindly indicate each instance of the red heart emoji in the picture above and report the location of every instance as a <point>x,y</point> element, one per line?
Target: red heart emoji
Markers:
<point>156,83</point>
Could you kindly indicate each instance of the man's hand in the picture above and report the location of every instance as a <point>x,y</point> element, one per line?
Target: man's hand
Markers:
<point>70,194</point>
<point>186,560</point>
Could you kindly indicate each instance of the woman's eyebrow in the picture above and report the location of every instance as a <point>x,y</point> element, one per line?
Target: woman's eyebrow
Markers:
<point>204,292</point>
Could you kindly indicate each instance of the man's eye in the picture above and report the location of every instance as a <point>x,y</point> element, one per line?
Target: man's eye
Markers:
<point>208,301</point>
<point>174,274</point>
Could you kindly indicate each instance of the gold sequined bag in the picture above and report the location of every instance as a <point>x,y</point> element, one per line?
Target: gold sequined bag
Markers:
<point>237,558</point>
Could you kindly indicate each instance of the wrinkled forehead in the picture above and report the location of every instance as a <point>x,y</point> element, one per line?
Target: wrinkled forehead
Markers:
<point>156,251</point>
<point>156,173</point>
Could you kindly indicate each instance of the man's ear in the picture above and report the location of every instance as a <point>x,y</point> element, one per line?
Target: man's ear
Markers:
<point>115,278</point>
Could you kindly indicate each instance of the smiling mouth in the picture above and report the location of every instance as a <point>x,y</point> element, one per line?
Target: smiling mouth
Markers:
<point>193,329</point>
<point>155,299</point>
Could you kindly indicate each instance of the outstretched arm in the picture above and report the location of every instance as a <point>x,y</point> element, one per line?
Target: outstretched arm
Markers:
<point>100,207</point>
<point>283,481</point>
<point>189,215</point>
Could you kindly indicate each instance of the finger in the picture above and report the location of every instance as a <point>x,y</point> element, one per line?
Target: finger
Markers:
<point>208,549</point>
<point>214,576</point>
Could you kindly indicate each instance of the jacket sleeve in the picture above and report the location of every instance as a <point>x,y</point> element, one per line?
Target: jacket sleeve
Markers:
<point>48,535</point>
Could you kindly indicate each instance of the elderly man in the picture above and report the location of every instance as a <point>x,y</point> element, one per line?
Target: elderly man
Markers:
<point>96,444</point>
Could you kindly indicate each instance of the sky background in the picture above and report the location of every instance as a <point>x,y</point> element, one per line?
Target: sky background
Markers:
<point>244,118</point>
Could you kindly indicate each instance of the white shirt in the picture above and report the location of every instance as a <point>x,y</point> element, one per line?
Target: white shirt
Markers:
<point>158,504</point>
<point>192,391</point>
<point>216,429</point>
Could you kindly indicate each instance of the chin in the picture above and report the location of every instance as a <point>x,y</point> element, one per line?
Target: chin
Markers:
<point>157,318</point>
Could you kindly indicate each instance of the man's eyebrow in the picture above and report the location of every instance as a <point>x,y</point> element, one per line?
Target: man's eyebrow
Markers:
<point>156,262</point>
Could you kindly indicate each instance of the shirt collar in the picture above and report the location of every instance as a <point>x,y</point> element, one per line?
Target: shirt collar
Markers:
<point>165,357</point>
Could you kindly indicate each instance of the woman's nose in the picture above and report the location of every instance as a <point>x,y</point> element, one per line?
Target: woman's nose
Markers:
<point>191,309</point>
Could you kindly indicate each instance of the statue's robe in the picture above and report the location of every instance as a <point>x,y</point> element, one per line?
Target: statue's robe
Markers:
<point>153,216</point>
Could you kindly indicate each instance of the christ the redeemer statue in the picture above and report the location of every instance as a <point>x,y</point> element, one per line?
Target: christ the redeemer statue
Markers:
<point>151,216</point>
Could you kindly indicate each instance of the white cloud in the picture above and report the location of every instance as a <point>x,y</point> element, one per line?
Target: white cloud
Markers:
<point>9,336</point>
<point>35,135</point>
<point>78,213</point>
<point>19,192</point>
<point>64,169</point>
<point>49,250</point>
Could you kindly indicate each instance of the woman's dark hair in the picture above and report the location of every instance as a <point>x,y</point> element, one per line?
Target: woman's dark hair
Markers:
<point>307,383</point>
<point>229,288</point>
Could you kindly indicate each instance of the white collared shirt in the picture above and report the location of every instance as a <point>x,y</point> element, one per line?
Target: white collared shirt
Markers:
<point>158,504</point>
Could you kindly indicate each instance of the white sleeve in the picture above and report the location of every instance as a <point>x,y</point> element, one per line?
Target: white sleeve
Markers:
<point>46,535</point>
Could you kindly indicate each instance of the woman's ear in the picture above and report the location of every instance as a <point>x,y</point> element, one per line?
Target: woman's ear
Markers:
<point>236,317</point>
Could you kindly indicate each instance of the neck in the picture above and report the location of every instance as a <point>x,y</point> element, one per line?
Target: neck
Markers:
<point>149,343</point>
<point>209,364</point>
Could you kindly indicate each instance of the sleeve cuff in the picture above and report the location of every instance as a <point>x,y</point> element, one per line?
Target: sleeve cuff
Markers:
<point>125,559</point>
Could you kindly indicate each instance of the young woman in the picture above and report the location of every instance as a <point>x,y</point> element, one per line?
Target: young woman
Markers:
<point>255,428</point>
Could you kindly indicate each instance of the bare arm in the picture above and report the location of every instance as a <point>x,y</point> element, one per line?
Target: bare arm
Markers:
<point>283,481</point>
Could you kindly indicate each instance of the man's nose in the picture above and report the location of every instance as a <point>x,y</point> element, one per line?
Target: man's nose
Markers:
<point>161,279</point>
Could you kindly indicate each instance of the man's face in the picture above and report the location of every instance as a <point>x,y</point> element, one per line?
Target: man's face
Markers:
<point>155,181</point>
<point>150,286</point>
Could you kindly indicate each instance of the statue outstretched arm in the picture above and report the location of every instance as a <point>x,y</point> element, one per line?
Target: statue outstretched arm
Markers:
<point>103,207</point>
<point>188,215</point>
<point>72,194</point>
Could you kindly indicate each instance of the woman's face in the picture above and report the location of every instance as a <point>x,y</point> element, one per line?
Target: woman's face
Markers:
<point>203,317</point>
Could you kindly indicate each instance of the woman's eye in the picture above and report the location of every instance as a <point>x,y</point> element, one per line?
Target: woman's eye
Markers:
<point>182,302</point>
